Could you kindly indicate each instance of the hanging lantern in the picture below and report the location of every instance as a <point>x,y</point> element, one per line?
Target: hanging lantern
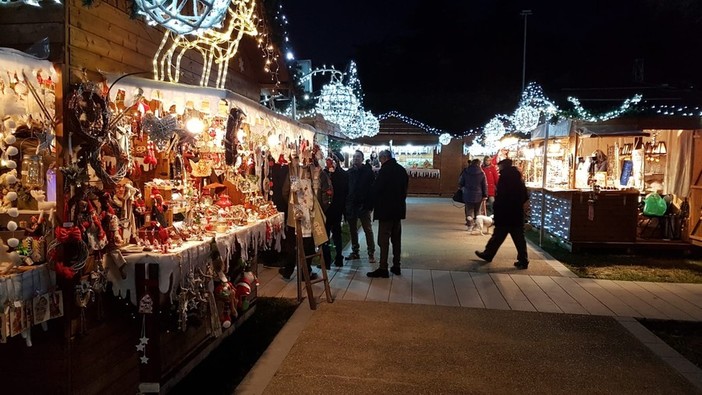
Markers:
<point>525,118</point>
<point>338,104</point>
<point>445,138</point>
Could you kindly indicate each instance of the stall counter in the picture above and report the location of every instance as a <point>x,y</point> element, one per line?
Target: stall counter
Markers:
<point>583,216</point>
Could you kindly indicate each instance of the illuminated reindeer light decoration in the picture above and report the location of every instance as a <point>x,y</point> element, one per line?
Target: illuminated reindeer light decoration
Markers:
<point>216,46</point>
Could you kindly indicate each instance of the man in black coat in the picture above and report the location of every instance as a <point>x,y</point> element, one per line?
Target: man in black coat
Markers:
<point>359,205</point>
<point>389,195</point>
<point>510,196</point>
<point>335,211</point>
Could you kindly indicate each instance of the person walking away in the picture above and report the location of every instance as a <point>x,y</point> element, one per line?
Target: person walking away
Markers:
<point>359,205</point>
<point>510,197</point>
<point>474,185</point>
<point>335,212</point>
<point>491,177</point>
<point>389,209</point>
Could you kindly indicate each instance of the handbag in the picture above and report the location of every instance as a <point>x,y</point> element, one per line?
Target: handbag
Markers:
<point>458,196</point>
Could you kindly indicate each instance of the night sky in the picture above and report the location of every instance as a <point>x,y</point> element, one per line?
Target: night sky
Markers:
<point>454,64</point>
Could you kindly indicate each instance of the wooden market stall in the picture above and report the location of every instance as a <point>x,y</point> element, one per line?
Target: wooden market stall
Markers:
<point>161,200</point>
<point>627,160</point>
<point>433,168</point>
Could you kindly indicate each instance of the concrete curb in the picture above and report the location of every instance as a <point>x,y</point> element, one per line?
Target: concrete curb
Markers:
<point>671,357</point>
<point>553,262</point>
<point>266,367</point>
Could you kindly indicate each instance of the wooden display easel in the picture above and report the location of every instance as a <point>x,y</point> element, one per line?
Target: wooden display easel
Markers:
<point>302,267</point>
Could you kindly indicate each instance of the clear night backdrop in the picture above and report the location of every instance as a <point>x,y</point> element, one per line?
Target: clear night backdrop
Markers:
<point>454,64</point>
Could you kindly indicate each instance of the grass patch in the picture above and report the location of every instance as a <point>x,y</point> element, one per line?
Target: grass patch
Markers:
<point>226,366</point>
<point>666,266</point>
<point>684,337</point>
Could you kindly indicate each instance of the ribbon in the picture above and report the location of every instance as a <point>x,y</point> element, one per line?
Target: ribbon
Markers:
<point>65,234</point>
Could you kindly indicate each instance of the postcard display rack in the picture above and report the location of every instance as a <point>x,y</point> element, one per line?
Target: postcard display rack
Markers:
<point>166,191</point>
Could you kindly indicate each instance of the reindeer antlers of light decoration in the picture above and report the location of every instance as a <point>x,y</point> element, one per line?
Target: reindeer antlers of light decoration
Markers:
<point>214,45</point>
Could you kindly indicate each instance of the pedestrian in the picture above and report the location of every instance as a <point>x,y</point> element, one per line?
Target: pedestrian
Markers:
<point>510,197</point>
<point>474,185</point>
<point>491,176</point>
<point>390,207</point>
<point>335,211</point>
<point>359,205</point>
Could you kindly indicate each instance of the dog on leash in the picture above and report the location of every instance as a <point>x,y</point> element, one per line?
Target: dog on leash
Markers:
<point>481,223</point>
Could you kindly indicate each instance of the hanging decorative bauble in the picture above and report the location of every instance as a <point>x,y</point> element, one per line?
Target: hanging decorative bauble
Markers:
<point>371,125</point>
<point>338,104</point>
<point>525,118</point>
<point>493,132</point>
<point>445,138</point>
<point>184,16</point>
<point>159,130</point>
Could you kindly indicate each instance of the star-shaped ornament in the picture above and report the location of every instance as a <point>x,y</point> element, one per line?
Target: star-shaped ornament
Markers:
<point>144,340</point>
<point>144,359</point>
<point>140,347</point>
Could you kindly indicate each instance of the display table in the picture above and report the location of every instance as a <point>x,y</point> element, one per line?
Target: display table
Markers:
<point>194,255</point>
<point>165,354</point>
<point>581,217</point>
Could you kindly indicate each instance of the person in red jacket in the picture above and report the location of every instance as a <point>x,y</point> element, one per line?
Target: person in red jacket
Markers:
<point>491,177</point>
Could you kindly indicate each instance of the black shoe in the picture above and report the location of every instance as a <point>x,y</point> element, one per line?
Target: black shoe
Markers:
<point>379,273</point>
<point>339,261</point>
<point>483,256</point>
<point>521,265</point>
<point>353,255</point>
<point>286,274</point>
<point>396,270</point>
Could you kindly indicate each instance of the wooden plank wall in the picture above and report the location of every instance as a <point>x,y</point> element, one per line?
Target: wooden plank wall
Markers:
<point>24,25</point>
<point>104,38</point>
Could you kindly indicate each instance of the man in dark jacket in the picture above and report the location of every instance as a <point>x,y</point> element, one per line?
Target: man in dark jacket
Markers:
<point>340,184</point>
<point>511,194</point>
<point>474,185</point>
<point>359,205</point>
<point>389,195</point>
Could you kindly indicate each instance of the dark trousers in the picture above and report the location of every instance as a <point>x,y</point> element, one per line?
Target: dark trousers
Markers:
<point>308,245</point>
<point>389,231</point>
<point>333,226</point>
<point>499,234</point>
<point>367,225</point>
<point>472,209</point>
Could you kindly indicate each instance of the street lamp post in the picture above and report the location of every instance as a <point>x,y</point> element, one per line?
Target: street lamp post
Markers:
<point>525,14</point>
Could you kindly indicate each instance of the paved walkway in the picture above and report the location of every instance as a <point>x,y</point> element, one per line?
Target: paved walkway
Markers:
<point>440,269</point>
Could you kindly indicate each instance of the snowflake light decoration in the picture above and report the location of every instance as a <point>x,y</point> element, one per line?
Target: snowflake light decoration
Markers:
<point>184,16</point>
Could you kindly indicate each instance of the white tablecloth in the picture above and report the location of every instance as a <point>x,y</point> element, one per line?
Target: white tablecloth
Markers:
<point>192,255</point>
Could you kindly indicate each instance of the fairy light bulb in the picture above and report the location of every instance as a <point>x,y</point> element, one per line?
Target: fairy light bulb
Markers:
<point>195,126</point>
<point>13,242</point>
<point>11,226</point>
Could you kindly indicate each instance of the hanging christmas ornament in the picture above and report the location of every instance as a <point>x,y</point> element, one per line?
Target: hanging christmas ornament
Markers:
<point>445,138</point>
<point>525,118</point>
<point>338,104</point>
<point>160,130</point>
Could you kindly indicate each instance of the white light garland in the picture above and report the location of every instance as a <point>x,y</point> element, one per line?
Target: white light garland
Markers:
<point>586,115</point>
<point>338,104</point>
<point>493,132</point>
